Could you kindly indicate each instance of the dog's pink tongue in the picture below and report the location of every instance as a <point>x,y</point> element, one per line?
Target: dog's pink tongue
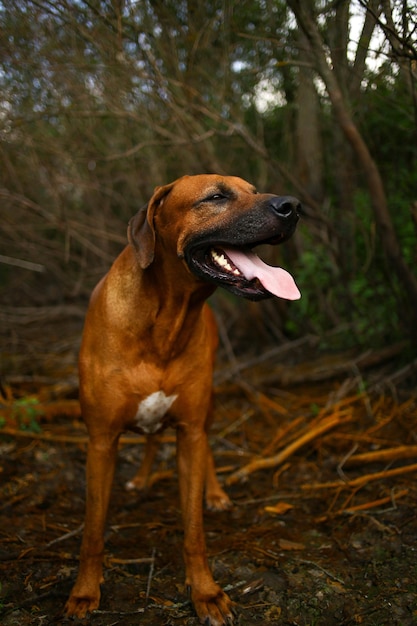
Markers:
<point>275,279</point>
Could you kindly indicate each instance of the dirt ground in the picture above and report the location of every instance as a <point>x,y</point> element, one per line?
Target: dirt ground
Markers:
<point>322,537</point>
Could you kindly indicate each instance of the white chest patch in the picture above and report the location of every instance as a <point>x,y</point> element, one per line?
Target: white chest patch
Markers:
<point>151,411</point>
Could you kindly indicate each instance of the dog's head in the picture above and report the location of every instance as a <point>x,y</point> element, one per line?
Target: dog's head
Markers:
<point>212,223</point>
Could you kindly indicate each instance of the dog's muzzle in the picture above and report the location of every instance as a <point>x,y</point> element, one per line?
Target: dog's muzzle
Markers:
<point>224,255</point>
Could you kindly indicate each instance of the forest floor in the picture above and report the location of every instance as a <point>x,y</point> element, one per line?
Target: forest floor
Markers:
<point>321,470</point>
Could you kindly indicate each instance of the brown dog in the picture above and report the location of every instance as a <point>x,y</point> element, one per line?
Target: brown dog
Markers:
<point>148,347</point>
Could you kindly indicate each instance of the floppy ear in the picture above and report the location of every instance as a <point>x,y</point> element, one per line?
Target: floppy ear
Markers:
<point>141,231</point>
<point>142,237</point>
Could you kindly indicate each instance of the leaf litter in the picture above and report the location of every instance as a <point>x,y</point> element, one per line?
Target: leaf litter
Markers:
<point>321,470</point>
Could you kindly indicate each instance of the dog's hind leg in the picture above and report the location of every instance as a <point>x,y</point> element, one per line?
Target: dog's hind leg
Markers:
<point>141,479</point>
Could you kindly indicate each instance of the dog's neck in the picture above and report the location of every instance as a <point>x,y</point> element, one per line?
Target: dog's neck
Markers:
<point>169,315</point>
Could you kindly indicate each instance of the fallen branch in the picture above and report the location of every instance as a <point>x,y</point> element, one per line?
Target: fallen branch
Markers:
<point>363,480</point>
<point>390,454</point>
<point>64,537</point>
<point>265,463</point>
<point>328,367</point>
<point>27,265</point>
<point>221,376</point>
<point>365,506</point>
<point>27,434</point>
<point>77,439</point>
<point>23,315</point>
<point>395,378</point>
<point>114,560</point>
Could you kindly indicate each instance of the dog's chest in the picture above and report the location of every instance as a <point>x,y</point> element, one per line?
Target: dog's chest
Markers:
<point>151,411</point>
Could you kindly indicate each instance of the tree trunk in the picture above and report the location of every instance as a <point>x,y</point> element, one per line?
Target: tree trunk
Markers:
<point>309,144</point>
<point>371,173</point>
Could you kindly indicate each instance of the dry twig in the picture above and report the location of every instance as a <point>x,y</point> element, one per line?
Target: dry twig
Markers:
<point>390,454</point>
<point>361,481</point>
<point>265,463</point>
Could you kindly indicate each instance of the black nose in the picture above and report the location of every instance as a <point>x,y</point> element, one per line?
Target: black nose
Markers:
<point>286,206</point>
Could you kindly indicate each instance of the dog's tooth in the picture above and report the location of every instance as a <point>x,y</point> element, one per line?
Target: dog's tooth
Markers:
<point>223,261</point>
<point>219,258</point>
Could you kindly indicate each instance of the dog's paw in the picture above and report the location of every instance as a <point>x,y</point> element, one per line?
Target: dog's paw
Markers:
<point>216,610</point>
<point>137,484</point>
<point>80,606</point>
<point>218,501</point>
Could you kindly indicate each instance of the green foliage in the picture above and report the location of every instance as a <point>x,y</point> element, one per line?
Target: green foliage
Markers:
<point>389,125</point>
<point>315,409</point>
<point>364,298</point>
<point>25,412</point>
<point>112,99</point>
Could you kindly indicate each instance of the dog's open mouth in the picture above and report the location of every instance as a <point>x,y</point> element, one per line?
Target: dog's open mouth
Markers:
<point>241,271</point>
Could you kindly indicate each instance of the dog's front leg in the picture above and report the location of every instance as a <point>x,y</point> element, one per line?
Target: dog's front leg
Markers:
<point>101,460</point>
<point>211,604</point>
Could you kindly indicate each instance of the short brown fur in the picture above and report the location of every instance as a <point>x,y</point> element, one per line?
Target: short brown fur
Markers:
<point>148,329</point>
